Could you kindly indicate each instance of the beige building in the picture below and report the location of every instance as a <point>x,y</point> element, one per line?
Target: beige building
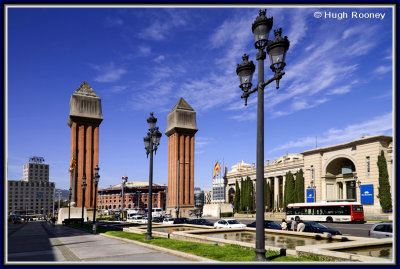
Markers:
<point>336,172</point>
<point>34,194</point>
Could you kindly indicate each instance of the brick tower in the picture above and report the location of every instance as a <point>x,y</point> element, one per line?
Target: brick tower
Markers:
<point>181,128</point>
<point>84,119</point>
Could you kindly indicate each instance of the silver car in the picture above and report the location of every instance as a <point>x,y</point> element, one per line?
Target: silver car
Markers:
<point>381,229</point>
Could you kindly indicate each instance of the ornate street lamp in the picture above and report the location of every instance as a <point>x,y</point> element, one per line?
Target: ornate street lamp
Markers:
<point>276,49</point>
<point>124,180</point>
<point>151,141</point>
<point>96,179</point>
<point>84,185</point>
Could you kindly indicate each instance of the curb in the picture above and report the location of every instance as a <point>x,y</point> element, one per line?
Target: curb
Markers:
<point>161,249</point>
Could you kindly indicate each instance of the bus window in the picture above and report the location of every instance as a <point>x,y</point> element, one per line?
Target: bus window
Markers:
<point>357,208</point>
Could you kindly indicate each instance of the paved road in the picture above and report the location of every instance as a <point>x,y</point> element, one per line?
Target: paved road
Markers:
<point>41,241</point>
<point>351,229</point>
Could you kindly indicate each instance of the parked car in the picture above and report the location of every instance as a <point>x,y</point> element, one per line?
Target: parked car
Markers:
<point>137,219</point>
<point>316,227</point>
<point>229,223</point>
<point>168,221</point>
<point>381,229</point>
<point>16,219</point>
<point>180,220</point>
<point>268,224</point>
<point>200,222</point>
<point>157,219</point>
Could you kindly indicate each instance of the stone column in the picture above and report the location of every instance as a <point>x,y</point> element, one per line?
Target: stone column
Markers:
<point>181,169</point>
<point>276,193</point>
<point>187,169</point>
<point>191,193</point>
<point>80,163</point>
<point>283,187</point>
<point>73,155</point>
<point>89,203</point>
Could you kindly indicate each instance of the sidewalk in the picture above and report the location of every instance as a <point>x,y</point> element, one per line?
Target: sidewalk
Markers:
<point>43,242</point>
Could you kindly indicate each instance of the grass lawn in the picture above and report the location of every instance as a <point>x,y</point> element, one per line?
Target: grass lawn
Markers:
<point>231,253</point>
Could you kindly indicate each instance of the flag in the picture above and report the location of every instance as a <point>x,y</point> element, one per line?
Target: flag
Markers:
<point>217,168</point>
<point>72,165</point>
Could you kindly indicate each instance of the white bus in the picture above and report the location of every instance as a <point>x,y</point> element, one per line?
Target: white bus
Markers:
<point>157,212</point>
<point>329,211</point>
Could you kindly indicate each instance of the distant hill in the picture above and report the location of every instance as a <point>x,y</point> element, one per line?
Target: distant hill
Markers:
<point>63,194</point>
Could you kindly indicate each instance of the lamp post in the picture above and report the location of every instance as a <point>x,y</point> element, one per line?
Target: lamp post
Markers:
<point>124,180</point>
<point>177,189</point>
<point>276,49</point>
<point>96,179</point>
<point>151,141</point>
<point>69,203</point>
<point>84,185</point>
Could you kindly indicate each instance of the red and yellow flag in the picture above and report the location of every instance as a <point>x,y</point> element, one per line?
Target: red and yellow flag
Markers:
<point>217,168</point>
<point>72,165</point>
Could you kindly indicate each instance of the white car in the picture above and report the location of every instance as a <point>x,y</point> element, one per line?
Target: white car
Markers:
<point>168,221</point>
<point>137,219</point>
<point>228,223</point>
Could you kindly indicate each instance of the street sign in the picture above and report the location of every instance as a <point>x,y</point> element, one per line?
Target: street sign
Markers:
<point>310,195</point>
<point>367,194</point>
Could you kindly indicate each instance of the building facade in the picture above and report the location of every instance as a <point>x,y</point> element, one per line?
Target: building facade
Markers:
<point>135,196</point>
<point>34,194</point>
<point>335,172</point>
<point>198,197</point>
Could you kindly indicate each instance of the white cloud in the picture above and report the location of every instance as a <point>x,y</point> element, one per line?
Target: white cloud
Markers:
<point>298,27</point>
<point>144,50</point>
<point>159,59</point>
<point>118,89</point>
<point>110,22</point>
<point>163,23</point>
<point>108,73</point>
<point>383,69</point>
<point>340,90</point>
<point>379,125</point>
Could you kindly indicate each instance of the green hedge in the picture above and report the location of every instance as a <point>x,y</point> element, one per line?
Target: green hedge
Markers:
<point>107,218</point>
<point>245,212</point>
<point>226,214</point>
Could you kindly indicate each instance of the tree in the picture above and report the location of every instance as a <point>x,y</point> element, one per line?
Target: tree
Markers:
<point>236,202</point>
<point>384,195</point>
<point>242,194</point>
<point>289,189</point>
<point>251,194</point>
<point>267,195</point>
<point>299,187</point>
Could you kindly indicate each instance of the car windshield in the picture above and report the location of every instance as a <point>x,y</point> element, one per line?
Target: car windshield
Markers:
<point>318,225</point>
<point>233,221</point>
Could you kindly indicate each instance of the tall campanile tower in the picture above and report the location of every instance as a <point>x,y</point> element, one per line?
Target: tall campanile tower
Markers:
<point>181,128</point>
<point>84,119</point>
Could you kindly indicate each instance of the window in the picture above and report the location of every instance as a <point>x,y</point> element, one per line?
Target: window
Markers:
<point>380,228</point>
<point>368,165</point>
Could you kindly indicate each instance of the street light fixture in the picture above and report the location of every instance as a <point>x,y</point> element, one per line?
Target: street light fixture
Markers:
<point>151,141</point>
<point>96,179</point>
<point>84,185</point>
<point>276,49</point>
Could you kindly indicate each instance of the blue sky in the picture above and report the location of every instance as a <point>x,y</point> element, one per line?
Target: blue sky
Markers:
<point>338,83</point>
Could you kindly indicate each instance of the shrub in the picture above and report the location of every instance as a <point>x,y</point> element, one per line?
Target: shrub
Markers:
<point>226,214</point>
